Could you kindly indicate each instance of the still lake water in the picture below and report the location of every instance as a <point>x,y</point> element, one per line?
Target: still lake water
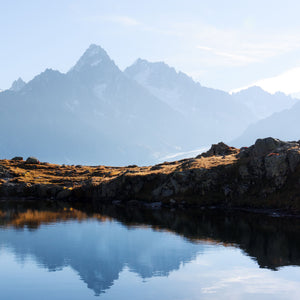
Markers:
<point>114,253</point>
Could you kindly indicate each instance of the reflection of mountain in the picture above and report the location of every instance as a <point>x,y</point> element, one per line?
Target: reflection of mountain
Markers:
<point>99,250</point>
<point>273,242</point>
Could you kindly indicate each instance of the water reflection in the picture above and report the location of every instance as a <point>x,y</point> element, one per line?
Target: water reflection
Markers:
<point>99,249</point>
<point>94,247</point>
<point>272,241</point>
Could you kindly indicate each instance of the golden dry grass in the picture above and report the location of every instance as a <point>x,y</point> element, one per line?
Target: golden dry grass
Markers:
<point>71,176</point>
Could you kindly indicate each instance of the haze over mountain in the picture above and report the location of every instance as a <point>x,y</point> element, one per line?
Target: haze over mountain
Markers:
<point>92,114</point>
<point>204,107</point>
<point>284,125</point>
<point>17,85</point>
<point>97,114</point>
<point>262,103</point>
<point>226,114</point>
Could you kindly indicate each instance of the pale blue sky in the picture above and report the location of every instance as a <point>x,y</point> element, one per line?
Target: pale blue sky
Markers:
<point>223,44</point>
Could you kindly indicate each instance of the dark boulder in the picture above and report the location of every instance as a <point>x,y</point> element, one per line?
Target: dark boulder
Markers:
<point>32,160</point>
<point>219,149</point>
<point>265,146</point>
<point>17,158</point>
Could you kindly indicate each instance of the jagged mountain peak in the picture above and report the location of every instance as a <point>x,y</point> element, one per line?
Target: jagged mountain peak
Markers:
<point>143,65</point>
<point>144,62</point>
<point>257,90</point>
<point>252,90</point>
<point>92,57</point>
<point>17,85</point>
<point>46,75</point>
<point>156,74</point>
<point>95,51</point>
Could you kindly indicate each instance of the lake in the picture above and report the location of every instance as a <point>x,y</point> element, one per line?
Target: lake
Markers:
<point>56,251</point>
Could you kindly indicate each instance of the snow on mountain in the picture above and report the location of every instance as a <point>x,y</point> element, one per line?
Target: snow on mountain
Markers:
<point>92,57</point>
<point>222,116</point>
<point>93,114</point>
<point>97,114</point>
<point>161,80</point>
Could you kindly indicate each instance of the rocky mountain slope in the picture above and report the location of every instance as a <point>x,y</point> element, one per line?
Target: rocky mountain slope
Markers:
<point>222,116</point>
<point>92,113</point>
<point>265,175</point>
<point>97,113</point>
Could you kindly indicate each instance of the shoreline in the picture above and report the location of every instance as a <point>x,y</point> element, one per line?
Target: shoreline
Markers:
<point>265,176</point>
<point>270,212</point>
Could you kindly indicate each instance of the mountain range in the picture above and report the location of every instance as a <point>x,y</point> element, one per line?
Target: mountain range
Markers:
<point>97,114</point>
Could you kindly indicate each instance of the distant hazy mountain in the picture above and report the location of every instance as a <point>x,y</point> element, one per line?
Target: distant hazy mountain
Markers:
<point>17,85</point>
<point>261,103</point>
<point>222,116</point>
<point>284,125</point>
<point>97,114</point>
<point>93,114</point>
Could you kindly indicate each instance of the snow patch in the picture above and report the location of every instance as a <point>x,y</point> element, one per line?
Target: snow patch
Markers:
<point>172,96</point>
<point>96,62</point>
<point>182,155</point>
<point>92,51</point>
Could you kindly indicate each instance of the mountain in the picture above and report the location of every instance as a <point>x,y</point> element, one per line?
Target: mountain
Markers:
<point>93,114</point>
<point>284,125</point>
<point>17,85</point>
<point>222,116</point>
<point>263,104</point>
<point>97,114</point>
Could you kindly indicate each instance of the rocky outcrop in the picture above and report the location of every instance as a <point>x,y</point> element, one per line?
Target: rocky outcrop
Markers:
<point>32,160</point>
<point>265,175</point>
<point>219,149</point>
<point>17,158</point>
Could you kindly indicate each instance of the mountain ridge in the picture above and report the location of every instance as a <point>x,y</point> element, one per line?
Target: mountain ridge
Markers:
<point>95,112</point>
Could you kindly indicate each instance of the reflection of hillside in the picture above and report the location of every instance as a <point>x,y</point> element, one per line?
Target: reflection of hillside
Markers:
<point>273,242</point>
<point>98,250</point>
<point>33,219</point>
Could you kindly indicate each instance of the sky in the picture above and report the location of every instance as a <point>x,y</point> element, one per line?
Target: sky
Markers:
<point>222,44</point>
